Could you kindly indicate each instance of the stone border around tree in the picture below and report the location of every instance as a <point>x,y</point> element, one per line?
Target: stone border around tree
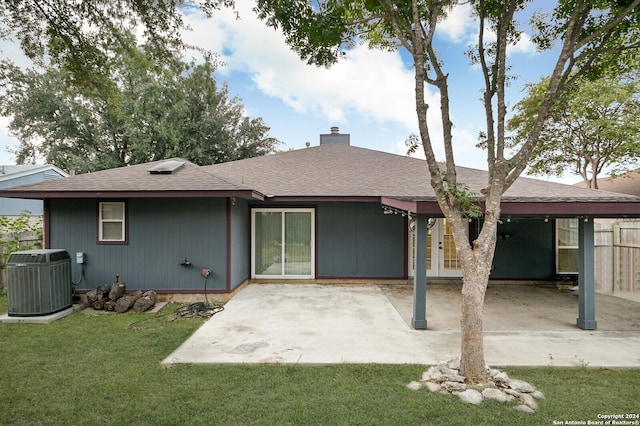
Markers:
<point>445,378</point>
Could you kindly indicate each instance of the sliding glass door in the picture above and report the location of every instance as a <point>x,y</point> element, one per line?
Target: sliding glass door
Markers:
<point>282,243</point>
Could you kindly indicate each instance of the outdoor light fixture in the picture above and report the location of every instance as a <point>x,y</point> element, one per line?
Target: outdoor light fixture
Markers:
<point>393,210</point>
<point>412,223</point>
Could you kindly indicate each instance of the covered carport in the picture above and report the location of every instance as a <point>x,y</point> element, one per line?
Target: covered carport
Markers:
<point>532,203</point>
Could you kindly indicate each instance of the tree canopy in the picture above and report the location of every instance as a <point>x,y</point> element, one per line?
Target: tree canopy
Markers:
<point>150,111</point>
<point>595,126</point>
<point>587,36</point>
<point>80,35</point>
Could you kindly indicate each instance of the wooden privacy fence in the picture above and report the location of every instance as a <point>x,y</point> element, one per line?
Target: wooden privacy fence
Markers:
<point>617,256</point>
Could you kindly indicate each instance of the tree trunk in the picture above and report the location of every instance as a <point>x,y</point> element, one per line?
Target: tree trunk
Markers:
<point>125,302</point>
<point>98,305</point>
<point>117,290</point>
<point>92,297</point>
<point>103,291</point>
<point>472,365</point>
<point>476,269</point>
<point>146,302</point>
<point>110,305</point>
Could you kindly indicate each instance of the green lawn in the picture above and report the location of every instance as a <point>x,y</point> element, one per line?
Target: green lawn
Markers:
<point>105,369</point>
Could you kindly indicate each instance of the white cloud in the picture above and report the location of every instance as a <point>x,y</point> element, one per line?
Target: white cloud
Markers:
<point>459,24</point>
<point>460,27</point>
<point>524,45</point>
<point>372,84</point>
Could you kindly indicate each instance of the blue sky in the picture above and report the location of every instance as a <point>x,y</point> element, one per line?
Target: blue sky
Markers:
<point>369,95</point>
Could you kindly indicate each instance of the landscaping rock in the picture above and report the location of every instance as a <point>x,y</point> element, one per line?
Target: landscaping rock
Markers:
<point>432,374</point>
<point>448,371</point>
<point>433,387</point>
<point>414,385</point>
<point>529,401</point>
<point>524,409</point>
<point>446,379</point>
<point>513,393</point>
<point>493,372</point>
<point>454,364</point>
<point>494,394</point>
<point>470,396</point>
<point>454,386</point>
<point>455,378</point>
<point>510,398</point>
<point>538,395</point>
<point>520,386</point>
<point>501,376</point>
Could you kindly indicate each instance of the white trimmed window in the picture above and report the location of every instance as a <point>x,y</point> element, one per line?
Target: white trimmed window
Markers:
<point>112,222</point>
<point>567,246</point>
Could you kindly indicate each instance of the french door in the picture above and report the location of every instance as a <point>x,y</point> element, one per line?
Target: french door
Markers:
<point>282,243</point>
<point>442,258</point>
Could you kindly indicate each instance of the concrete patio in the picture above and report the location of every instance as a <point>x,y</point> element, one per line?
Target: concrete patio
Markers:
<point>327,324</point>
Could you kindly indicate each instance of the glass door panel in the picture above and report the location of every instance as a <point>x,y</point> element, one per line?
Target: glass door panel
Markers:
<point>297,253</point>
<point>268,243</point>
<point>412,253</point>
<point>449,254</point>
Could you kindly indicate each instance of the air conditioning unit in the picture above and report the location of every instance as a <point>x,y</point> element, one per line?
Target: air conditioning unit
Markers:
<point>38,282</point>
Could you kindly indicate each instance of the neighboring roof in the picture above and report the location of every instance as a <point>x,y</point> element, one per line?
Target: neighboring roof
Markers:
<point>328,172</point>
<point>9,172</point>
<point>628,183</point>
<point>136,181</point>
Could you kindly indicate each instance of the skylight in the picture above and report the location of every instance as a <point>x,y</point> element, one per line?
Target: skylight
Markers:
<point>166,167</point>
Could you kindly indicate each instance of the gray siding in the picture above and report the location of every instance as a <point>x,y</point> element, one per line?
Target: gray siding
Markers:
<point>356,240</point>
<point>162,233</point>
<point>528,253</point>
<point>240,242</point>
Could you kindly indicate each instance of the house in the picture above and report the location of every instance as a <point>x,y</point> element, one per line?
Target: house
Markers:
<point>329,212</point>
<point>628,183</point>
<point>11,176</point>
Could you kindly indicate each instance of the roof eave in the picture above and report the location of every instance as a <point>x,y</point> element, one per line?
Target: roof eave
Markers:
<point>43,195</point>
<point>558,208</point>
<point>320,198</point>
<point>603,209</point>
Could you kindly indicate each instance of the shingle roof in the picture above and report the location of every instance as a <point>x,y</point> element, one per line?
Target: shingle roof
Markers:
<point>346,171</point>
<point>330,170</point>
<point>134,179</point>
<point>321,172</point>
